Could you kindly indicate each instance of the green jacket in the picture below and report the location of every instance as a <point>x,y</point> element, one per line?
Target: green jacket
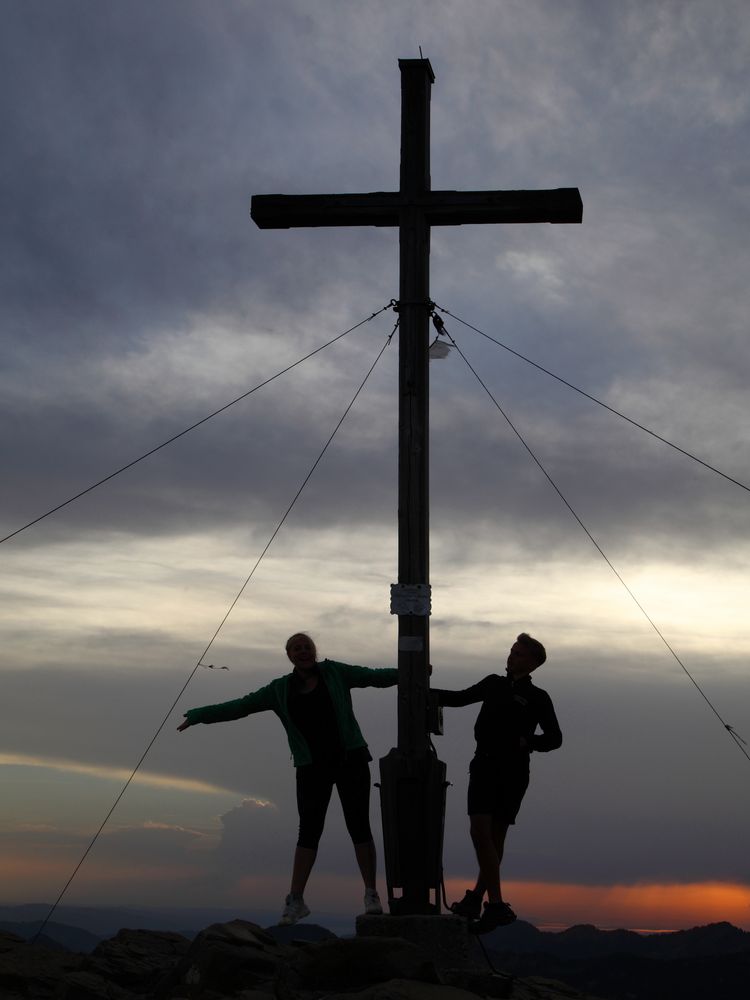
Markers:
<point>339,678</point>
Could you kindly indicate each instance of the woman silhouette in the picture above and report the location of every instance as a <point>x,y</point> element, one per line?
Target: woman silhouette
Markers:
<point>314,705</point>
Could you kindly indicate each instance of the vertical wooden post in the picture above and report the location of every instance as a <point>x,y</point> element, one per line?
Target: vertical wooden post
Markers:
<point>413,466</point>
<point>412,779</point>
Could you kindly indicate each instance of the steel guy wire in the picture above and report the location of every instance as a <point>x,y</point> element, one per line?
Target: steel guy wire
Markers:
<point>215,635</point>
<point>730,730</point>
<point>593,399</point>
<point>192,427</point>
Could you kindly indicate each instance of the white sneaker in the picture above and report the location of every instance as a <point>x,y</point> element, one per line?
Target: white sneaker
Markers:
<point>294,910</point>
<point>372,902</point>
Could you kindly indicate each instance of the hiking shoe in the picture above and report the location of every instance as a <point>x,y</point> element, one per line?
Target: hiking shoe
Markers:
<point>470,906</point>
<point>373,905</point>
<point>294,910</point>
<point>494,915</point>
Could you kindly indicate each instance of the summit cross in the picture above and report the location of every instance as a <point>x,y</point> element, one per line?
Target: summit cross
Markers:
<point>412,779</point>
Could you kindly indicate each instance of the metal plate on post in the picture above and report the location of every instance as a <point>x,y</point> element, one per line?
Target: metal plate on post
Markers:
<point>411,599</point>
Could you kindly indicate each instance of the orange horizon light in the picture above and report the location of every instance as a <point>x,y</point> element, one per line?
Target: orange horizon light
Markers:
<point>644,907</point>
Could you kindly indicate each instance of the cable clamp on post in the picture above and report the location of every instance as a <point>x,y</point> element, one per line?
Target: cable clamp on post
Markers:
<point>398,305</point>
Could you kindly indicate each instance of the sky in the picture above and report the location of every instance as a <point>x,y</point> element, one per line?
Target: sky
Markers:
<point>138,297</point>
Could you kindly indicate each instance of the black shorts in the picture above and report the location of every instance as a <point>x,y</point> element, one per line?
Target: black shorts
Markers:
<point>497,788</point>
<point>351,776</point>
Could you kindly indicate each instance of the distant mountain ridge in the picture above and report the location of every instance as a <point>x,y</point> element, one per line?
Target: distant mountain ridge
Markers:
<point>586,941</point>
<point>704,962</point>
<point>102,922</point>
<point>55,935</point>
<point>81,929</point>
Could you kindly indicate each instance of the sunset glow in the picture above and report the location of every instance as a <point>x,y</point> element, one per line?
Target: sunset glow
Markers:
<point>647,907</point>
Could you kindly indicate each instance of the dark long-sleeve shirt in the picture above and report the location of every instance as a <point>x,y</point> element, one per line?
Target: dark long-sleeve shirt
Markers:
<point>511,710</point>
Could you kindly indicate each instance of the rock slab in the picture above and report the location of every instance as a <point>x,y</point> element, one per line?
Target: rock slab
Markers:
<point>241,961</point>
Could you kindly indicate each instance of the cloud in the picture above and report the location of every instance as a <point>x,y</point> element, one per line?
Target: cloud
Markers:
<point>137,296</point>
<point>253,840</point>
<point>163,781</point>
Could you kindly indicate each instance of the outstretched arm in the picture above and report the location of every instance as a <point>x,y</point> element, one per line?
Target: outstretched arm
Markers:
<point>257,701</point>
<point>361,677</point>
<point>468,696</point>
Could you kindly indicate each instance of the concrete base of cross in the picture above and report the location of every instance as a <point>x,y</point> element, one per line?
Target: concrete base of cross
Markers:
<point>445,940</point>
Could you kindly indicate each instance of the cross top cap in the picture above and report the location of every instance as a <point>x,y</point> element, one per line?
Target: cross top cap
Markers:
<point>409,65</point>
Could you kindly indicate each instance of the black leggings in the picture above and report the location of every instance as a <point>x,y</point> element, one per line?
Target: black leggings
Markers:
<point>351,776</point>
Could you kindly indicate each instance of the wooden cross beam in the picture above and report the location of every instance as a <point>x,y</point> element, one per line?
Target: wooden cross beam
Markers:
<point>441,208</point>
<point>414,208</point>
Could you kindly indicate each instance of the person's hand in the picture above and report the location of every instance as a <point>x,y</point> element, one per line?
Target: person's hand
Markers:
<point>185,725</point>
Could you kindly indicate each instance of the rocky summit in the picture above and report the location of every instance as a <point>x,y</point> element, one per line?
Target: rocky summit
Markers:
<point>242,961</point>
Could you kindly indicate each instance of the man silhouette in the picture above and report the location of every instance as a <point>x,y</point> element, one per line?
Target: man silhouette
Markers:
<point>512,710</point>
